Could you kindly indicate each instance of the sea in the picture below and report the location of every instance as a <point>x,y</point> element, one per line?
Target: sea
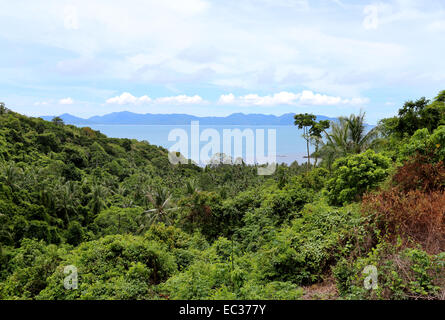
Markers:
<point>290,145</point>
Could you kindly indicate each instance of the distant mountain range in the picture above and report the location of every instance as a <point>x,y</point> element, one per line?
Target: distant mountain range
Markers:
<point>130,118</point>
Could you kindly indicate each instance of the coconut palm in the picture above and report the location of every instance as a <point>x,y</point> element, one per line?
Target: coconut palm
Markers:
<point>160,199</point>
<point>5,234</point>
<point>359,139</point>
<point>11,176</point>
<point>47,194</point>
<point>347,136</point>
<point>122,192</point>
<point>67,200</point>
<point>97,196</point>
<point>191,187</point>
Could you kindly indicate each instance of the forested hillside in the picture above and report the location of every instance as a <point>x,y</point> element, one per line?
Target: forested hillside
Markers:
<point>137,227</point>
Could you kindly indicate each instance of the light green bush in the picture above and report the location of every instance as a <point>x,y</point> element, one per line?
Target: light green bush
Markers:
<point>355,174</point>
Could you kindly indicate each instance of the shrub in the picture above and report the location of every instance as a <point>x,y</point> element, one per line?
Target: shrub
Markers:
<point>401,274</point>
<point>113,267</point>
<point>355,174</point>
<point>285,203</point>
<point>199,281</point>
<point>314,179</point>
<point>29,269</point>
<point>414,216</point>
<point>419,173</point>
<point>303,252</point>
<point>74,233</point>
<point>426,144</point>
<point>274,290</point>
<point>184,247</point>
<point>414,208</point>
<point>117,221</point>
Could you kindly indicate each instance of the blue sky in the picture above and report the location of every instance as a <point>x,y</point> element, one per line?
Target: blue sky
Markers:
<point>202,57</point>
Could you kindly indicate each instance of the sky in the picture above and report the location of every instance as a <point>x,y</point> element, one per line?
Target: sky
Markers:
<point>214,57</point>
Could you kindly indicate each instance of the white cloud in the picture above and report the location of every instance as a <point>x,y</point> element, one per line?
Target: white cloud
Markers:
<point>437,26</point>
<point>40,103</point>
<point>128,98</point>
<point>66,101</point>
<point>226,98</point>
<point>153,36</point>
<point>310,98</point>
<point>294,4</point>
<point>306,97</point>
<point>269,100</point>
<point>181,99</point>
<point>226,46</point>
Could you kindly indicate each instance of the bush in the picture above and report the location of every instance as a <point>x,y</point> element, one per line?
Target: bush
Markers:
<point>74,233</point>
<point>287,202</point>
<point>117,221</point>
<point>274,290</point>
<point>184,247</point>
<point>355,174</point>
<point>304,251</point>
<point>426,144</point>
<point>113,267</point>
<point>411,216</point>
<point>419,173</point>
<point>204,211</point>
<point>401,274</point>
<point>314,179</point>
<point>199,281</point>
<point>29,269</point>
<point>412,209</point>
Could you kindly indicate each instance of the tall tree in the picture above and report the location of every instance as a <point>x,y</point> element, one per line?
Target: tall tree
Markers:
<point>315,133</point>
<point>97,195</point>
<point>67,200</point>
<point>58,121</point>
<point>11,175</point>
<point>3,109</point>
<point>410,116</point>
<point>305,121</point>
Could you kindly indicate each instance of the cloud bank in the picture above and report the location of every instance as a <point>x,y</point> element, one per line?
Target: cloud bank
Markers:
<point>128,99</point>
<point>306,97</point>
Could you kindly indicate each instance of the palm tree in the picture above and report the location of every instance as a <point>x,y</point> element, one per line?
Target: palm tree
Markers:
<point>11,176</point>
<point>5,234</point>
<point>191,187</point>
<point>347,136</point>
<point>47,193</point>
<point>121,191</point>
<point>67,199</point>
<point>359,140</point>
<point>98,195</point>
<point>160,199</point>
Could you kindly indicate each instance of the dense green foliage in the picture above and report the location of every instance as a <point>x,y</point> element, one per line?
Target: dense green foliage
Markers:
<point>137,227</point>
<point>355,174</point>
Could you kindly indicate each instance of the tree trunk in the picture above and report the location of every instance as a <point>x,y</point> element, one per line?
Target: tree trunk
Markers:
<point>316,151</point>
<point>308,153</point>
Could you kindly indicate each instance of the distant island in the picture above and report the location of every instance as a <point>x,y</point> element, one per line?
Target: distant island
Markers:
<point>130,118</point>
